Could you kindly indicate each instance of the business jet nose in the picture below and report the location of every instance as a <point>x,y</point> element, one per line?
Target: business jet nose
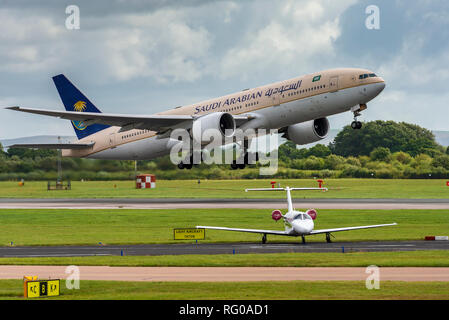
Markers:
<point>303,227</point>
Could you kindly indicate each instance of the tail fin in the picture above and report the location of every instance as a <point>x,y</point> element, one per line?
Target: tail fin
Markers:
<point>75,100</point>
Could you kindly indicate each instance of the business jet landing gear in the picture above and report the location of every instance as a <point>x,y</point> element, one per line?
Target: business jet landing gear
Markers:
<point>328,237</point>
<point>264,238</point>
<point>356,111</point>
<point>303,239</point>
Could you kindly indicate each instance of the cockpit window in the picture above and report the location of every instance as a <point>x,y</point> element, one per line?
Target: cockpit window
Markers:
<point>364,76</point>
<point>302,216</point>
<point>372,75</point>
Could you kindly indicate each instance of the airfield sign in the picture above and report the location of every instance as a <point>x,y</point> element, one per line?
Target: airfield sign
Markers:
<point>41,288</point>
<point>189,234</point>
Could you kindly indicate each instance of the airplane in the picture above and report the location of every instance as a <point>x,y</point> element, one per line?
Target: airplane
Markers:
<point>298,108</point>
<point>296,223</point>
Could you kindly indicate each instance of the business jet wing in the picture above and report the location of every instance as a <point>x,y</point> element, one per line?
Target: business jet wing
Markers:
<point>351,228</point>
<point>126,121</point>
<point>281,233</point>
<point>75,146</point>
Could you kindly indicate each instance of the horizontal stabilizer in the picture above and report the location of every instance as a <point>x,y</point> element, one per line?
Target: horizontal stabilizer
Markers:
<point>73,146</point>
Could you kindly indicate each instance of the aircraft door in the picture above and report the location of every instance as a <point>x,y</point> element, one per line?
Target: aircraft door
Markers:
<point>333,84</point>
<point>112,140</point>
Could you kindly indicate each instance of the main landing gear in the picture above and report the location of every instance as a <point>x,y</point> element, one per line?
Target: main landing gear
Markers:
<point>246,158</point>
<point>303,239</point>
<point>264,238</point>
<point>356,111</point>
<point>328,237</point>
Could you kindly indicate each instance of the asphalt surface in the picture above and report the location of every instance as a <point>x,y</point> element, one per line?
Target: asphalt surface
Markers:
<point>219,248</point>
<point>152,203</point>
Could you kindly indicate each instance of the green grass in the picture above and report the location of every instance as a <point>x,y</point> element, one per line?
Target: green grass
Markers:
<point>269,290</point>
<point>434,258</point>
<point>129,226</point>
<point>339,188</point>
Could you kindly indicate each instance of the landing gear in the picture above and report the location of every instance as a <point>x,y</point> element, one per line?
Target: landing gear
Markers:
<point>356,125</point>
<point>328,237</point>
<point>303,239</point>
<point>356,111</point>
<point>264,238</point>
<point>247,157</point>
<point>188,162</point>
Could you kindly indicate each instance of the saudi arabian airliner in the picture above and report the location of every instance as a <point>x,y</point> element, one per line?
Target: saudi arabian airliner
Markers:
<point>298,108</point>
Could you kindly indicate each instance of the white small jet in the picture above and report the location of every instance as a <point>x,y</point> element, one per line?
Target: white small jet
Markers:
<point>296,223</point>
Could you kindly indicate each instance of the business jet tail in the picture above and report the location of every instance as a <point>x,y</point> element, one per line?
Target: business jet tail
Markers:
<point>75,100</point>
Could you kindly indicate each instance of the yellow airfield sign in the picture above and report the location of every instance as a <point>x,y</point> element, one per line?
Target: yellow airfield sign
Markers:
<point>41,288</point>
<point>189,234</point>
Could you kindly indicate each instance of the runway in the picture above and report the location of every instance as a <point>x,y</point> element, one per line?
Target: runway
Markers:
<point>222,274</point>
<point>144,203</point>
<point>218,248</point>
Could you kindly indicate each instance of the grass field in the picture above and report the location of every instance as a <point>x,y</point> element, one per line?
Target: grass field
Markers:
<point>129,226</point>
<point>351,290</point>
<point>338,188</point>
<point>435,258</point>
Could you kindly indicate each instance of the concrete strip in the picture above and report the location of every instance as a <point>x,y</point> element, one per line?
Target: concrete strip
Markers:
<point>225,274</point>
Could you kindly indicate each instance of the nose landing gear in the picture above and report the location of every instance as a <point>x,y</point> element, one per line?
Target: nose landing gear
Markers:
<point>356,111</point>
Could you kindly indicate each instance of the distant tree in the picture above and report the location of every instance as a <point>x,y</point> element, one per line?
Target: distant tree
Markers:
<point>380,154</point>
<point>402,157</point>
<point>441,161</point>
<point>288,151</point>
<point>319,150</point>
<point>395,136</point>
<point>31,153</point>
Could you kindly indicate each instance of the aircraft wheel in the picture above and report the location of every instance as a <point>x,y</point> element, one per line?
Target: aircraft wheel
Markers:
<point>181,166</point>
<point>356,125</point>
<point>241,166</point>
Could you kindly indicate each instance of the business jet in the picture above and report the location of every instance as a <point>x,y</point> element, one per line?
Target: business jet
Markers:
<point>298,108</point>
<point>296,223</point>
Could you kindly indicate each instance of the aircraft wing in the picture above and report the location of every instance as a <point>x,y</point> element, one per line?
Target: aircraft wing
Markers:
<point>126,121</point>
<point>281,233</point>
<point>75,146</point>
<point>351,228</point>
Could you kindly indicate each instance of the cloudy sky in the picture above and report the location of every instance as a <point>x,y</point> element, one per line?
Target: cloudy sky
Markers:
<point>142,57</point>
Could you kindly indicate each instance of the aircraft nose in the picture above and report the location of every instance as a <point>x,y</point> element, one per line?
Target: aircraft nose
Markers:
<point>301,228</point>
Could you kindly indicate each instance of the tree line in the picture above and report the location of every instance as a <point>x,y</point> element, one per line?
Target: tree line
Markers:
<point>381,149</point>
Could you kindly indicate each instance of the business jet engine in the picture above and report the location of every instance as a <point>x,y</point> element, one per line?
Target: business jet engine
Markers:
<point>312,213</point>
<point>276,215</point>
<point>211,125</point>
<point>308,132</point>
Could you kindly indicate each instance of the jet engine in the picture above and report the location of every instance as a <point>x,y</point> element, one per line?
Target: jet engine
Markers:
<point>312,213</point>
<point>308,132</point>
<point>276,215</point>
<point>222,122</point>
